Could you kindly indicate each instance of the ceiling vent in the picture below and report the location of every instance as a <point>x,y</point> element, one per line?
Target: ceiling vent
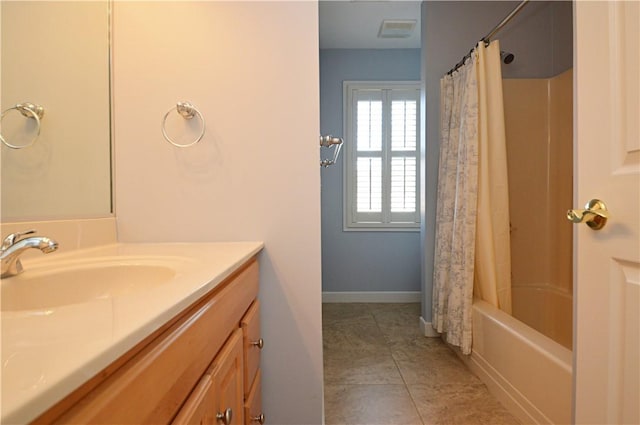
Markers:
<point>397,28</point>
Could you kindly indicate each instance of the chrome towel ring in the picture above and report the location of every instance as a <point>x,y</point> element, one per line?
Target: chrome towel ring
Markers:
<point>29,110</point>
<point>188,111</point>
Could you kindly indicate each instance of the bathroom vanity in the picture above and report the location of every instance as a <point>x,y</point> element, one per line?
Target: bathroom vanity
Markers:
<point>185,351</point>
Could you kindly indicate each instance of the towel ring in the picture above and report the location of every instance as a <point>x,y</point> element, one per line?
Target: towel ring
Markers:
<point>28,110</point>
<point>188,111</point>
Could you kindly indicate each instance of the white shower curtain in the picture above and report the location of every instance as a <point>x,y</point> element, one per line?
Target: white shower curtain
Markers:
<point>471,220</point>
<point>493,240</point>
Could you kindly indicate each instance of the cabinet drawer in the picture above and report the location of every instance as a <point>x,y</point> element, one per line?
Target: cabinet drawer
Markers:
<point>152,386</point>
<point>253,404</point>
<point>252,344</point>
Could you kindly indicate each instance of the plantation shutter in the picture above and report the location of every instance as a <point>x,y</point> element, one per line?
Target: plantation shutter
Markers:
<point>382,160</point>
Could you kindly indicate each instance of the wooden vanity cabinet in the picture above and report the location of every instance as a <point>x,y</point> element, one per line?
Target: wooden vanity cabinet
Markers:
<point>219,389</point>
<point>190,371</point>
<point>253,344</point>
<point>199,409</point>
<point>253,404</point>
<point>227,381</point>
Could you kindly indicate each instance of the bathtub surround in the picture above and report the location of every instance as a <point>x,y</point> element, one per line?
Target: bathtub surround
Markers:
<point>540,158</point>
<point>252,70</point>
<point>547,310</point>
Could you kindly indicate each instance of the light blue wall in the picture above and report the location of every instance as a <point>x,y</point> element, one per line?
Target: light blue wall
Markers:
<point>540,37</point>
<point>361,261</point>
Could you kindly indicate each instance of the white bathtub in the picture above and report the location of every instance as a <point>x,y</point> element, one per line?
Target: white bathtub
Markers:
<point>526,370</point>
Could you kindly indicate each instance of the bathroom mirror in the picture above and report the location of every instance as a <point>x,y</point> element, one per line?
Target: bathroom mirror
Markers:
<point>56,54</point>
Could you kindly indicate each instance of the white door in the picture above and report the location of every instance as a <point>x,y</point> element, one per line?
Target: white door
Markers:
<point>607,261</point>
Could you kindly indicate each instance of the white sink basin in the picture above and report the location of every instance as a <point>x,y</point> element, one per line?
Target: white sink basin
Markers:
<point>81,282</point>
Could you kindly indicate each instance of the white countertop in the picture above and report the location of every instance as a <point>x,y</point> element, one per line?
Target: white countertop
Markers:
<point>47,353</point>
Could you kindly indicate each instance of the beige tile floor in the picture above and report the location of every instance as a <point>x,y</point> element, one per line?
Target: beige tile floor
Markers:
<point>379,370</point>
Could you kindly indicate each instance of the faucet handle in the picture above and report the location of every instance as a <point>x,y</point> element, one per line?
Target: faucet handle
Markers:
<point>13,237</point>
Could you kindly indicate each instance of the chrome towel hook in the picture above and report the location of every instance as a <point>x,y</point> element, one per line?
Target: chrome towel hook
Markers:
<point>28,110</point>
<point>187,111</point>
<point>328,142</point>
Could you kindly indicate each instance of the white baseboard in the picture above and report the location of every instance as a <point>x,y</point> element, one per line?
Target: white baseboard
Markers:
<point>372,297</point>
<point>427,330</point>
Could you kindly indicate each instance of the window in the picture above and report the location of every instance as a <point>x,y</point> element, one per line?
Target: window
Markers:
<point>382,156</point>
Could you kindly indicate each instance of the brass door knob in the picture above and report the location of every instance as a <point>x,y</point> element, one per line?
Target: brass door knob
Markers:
<point>594,215</point>
<point>259,343</point>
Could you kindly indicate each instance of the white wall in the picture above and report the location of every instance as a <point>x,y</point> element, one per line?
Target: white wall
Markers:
<point>252,70</point>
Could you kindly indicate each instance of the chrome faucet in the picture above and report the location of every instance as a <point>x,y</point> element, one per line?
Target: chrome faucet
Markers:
<point>13,247</point>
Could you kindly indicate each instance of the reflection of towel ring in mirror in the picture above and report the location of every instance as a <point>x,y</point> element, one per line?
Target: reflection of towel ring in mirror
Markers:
<point>188,111</point>
<point>28,110</point>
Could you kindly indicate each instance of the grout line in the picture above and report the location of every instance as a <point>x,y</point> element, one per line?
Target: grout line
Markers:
<point>406,386</point>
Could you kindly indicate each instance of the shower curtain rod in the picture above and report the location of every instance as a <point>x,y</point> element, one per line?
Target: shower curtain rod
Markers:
<point>494,31</point>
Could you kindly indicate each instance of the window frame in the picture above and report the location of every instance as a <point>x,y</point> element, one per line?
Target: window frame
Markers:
<point>380,221</point>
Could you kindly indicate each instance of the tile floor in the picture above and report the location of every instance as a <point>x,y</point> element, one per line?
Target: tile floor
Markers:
<point>379,370</point>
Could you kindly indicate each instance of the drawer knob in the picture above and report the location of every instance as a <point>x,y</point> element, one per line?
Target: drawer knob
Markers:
<point>225,417</point>
<point>259,419</point>
<point>259,343</point>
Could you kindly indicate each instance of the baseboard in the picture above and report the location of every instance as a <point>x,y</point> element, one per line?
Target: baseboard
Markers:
<point>372,297</point>
<point>514,401</point>
<point>427,329</point>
